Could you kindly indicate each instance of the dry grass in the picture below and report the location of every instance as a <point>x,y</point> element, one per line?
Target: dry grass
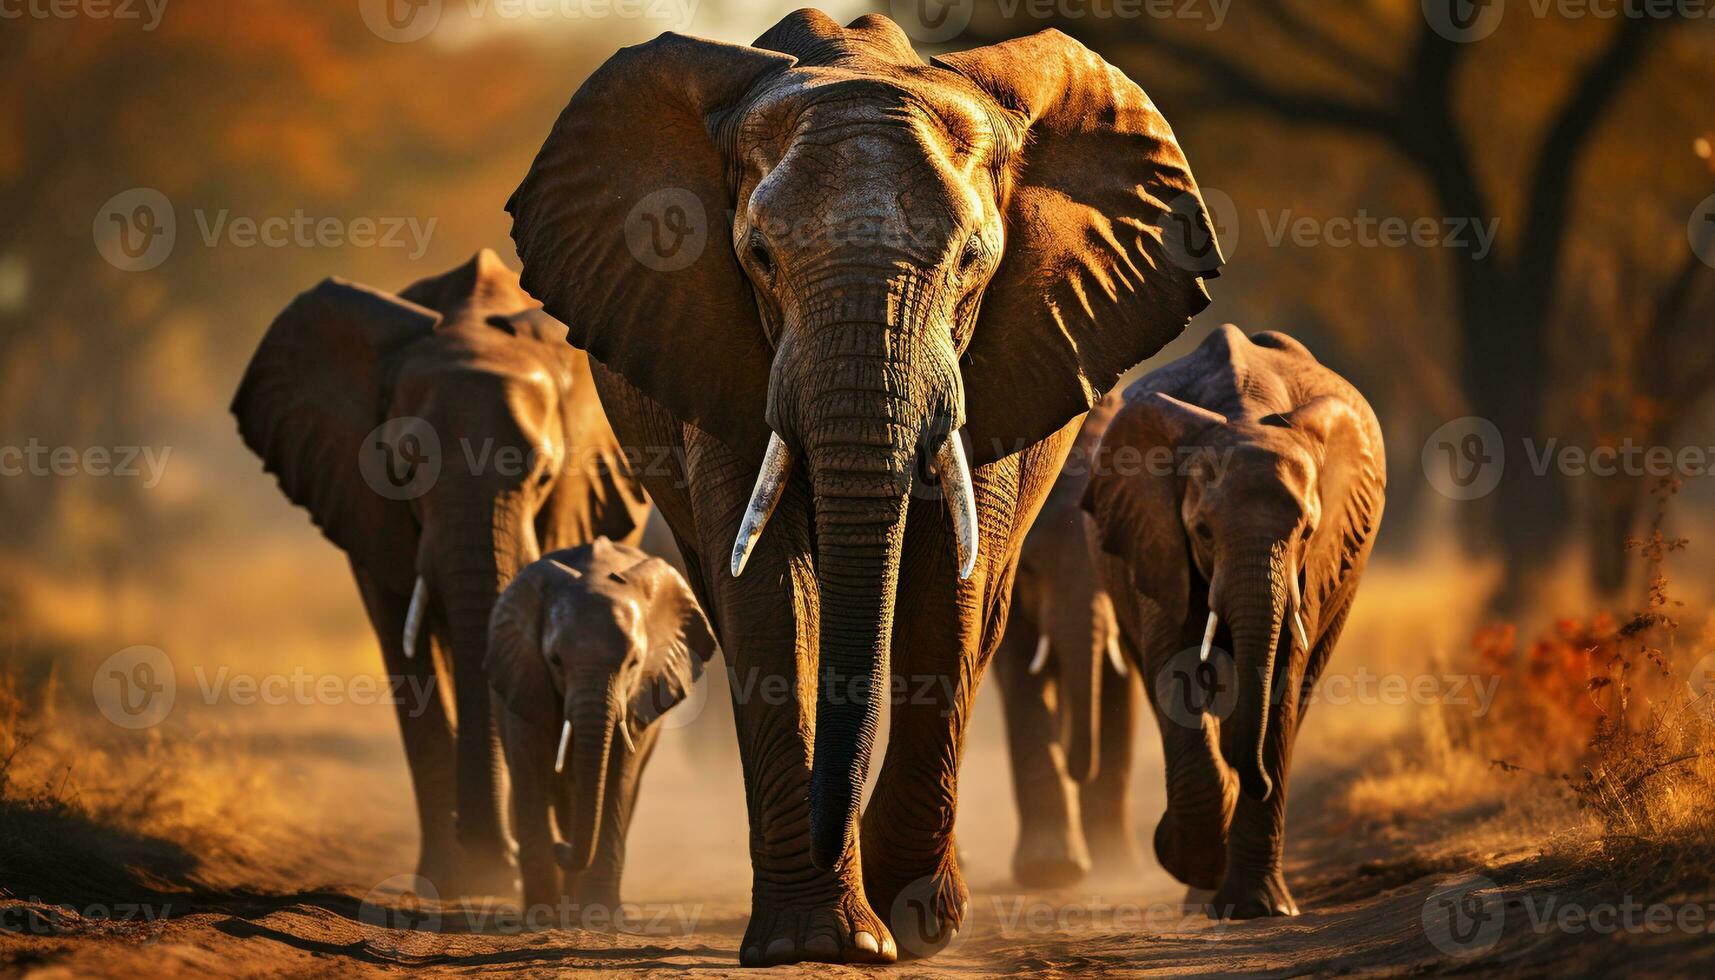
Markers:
<point>1597,742</point>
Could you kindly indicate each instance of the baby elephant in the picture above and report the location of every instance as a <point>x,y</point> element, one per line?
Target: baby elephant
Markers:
<point>1235,500</point>
<point>587,648</point>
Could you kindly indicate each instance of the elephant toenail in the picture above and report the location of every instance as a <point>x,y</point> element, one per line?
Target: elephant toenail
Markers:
<point>888,948</point>
<point>750,955</point>
<point>866,942</point>
<point>780,948</point>
<point>823,945</point>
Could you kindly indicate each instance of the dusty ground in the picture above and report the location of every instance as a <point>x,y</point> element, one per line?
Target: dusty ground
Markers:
<point>266,841</point>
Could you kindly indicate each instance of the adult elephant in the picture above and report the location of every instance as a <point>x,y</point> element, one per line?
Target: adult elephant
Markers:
<point>818,259</point>
<point>443,438</point>
<point>1070,700</point>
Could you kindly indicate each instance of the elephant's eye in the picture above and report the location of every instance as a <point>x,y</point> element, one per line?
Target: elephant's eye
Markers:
<point>554,658</point>
<point>1204,534</point>
<point>972,254</point>
<point>760,257</point>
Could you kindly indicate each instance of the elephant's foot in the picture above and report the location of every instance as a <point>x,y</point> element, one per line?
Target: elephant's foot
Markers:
<point>1193,851</point>
<point>1196,901</point>
<point>1049,859</point>
<point>845,930</point>
<point>1252,896</point>
<point>1114,855</point>
<point>926,912</point>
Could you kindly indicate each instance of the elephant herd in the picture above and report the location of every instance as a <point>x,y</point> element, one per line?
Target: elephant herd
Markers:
<point>874,425</point>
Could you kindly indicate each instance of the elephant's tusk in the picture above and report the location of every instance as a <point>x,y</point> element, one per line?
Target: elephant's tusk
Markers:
<point>1040,660</point>
<point>565,741</point>
<point>625,733</point>
<point>414,616</point>
<point>764,497</point>
<point>1298,624</point>
<point>1209,636</point>
<point>961,500</point>
<point>1115,657</point>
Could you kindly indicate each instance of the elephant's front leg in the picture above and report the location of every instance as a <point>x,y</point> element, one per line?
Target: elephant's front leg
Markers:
<point>595,890</point>
<point>1191,837</point>
<point>1051,852</point>
<point>430,746</point>
<point>1255,885</point>
<point>945,630</point>
<point>767,626</point>
<point>530,764</point>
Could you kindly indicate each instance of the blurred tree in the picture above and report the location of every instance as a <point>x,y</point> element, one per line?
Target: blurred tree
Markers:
<point>1379,73</point>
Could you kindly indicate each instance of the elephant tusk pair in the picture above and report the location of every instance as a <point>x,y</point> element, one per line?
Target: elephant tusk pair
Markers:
<point>1040,660</point>
<point>414,616</point>
<point>777,468</point>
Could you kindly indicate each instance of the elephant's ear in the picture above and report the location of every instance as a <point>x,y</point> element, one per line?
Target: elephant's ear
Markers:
<point>1135,491</point>
<point>622,223</point>
<point>516,672</point>
<point>1353,476</point>
<point>312,392</point>
<point>682,641</point>
<point>1108,241</point>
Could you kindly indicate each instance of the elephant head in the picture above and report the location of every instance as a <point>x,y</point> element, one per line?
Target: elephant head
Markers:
<point>603,640</point>
<point>434,435</point>
<point>1243,510</point>
<point>831,257</point>
<point>1057,593</point>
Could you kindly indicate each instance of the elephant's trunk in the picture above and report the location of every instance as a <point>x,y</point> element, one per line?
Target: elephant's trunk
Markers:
<point>860,531</point>
<point>594,713</point>
<point>1252,596</point>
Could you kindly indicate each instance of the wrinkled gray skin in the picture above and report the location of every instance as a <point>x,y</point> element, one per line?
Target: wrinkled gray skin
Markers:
<point>526,462</point>
<point>1069,698</point>
<point>592,643</point>
<point>1269,504</point>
